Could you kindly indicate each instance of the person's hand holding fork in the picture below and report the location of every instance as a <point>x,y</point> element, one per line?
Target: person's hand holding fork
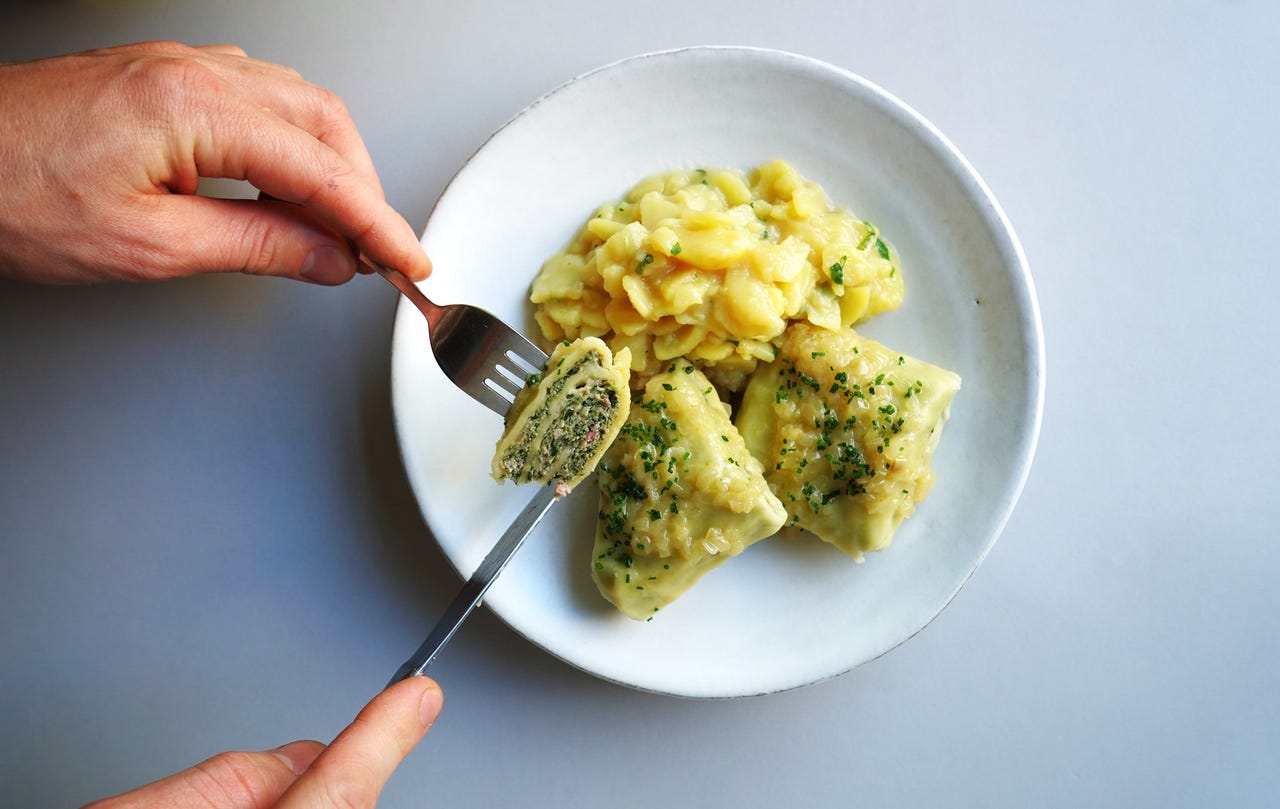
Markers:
<point>102,152</point>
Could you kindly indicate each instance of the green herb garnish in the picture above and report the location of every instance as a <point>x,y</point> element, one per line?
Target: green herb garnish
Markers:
<point>837,271</point>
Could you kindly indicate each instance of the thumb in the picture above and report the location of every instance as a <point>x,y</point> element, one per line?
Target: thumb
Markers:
<point>232,780</point>
<point>260,237</point>
<point>351,772</point>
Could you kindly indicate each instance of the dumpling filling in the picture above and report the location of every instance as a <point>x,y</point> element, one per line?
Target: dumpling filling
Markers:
<point>564,419</point>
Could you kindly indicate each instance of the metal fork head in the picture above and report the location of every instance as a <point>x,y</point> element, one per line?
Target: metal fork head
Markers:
<point>484,356</point>
<point>478,352</point>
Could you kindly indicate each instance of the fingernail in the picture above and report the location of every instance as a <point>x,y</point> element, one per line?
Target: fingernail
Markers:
<point>432,702</point>
<point>297,756</point>
<point>288,762</point>
<point>329,265</point>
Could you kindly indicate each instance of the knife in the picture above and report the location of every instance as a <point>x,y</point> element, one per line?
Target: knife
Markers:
<point>469,597</point>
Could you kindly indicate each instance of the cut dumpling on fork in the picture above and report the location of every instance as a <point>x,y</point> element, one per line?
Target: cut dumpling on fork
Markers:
<point>566,416</point>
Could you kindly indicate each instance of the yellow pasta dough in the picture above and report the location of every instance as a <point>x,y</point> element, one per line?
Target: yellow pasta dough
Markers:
<point>846,429</point>
<point>679,495</point>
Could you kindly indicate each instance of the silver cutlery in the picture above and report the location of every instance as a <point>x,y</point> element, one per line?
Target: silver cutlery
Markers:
<point>491,361</point>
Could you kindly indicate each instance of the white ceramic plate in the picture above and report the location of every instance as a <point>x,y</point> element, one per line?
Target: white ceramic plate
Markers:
<point>782,614</point>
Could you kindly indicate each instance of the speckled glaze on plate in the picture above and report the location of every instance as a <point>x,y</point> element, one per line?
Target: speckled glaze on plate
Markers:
<point>784,613</point>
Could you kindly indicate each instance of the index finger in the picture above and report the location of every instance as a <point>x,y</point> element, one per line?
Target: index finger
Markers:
<point>353,769</point>
<point>283,91</point>
<point>288,163</point>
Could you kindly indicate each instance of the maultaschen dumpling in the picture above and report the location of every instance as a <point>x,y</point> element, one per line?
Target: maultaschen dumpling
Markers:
<point>566,416</point>
<point>679,495</point>
<point>846,430</point>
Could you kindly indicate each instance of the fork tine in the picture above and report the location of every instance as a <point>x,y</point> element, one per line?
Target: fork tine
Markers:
<point>522,351</point>
<point>509,378</point>
<point>490,395</point>
<point>505,382</point>
<point>530,362</point>
<point>470,344</point>
<point>508,375</point>
<point>476,350</point>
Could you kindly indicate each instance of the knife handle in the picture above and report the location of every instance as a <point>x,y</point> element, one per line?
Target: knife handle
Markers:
<point>469,597</point>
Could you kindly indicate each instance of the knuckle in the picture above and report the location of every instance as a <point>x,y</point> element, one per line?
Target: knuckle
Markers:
<point>260,245</point>
<point>232,778</point>
<point>230,762</point>
<point>233,49</point>
<point>164,82</point>
<point>364,230</point>
<point>145,245</point>
<point>349,789</point>
<point>162,46</point>
<point>137,252</point>
<point>331,106</point>
<point>179,73</point>
<point>151,47</point>
<point>329,113</point>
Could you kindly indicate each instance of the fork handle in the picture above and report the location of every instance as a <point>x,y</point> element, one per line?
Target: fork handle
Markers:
<point>409,289</point>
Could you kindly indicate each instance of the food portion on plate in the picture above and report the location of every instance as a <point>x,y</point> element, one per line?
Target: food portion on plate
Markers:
<point>566,416</point>
<point>736,292</point>
<point>845,429</point>
<point>679,494</point>
<point>712,266</point>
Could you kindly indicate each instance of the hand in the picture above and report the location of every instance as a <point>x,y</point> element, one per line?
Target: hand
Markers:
<point>348,774</point>
<point>102,151</point>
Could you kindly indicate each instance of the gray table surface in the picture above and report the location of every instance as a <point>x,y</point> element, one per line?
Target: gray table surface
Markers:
<point>207,541</point>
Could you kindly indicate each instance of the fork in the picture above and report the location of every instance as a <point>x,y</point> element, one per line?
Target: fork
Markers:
<point>485,357</point>
<point>490,361</point>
